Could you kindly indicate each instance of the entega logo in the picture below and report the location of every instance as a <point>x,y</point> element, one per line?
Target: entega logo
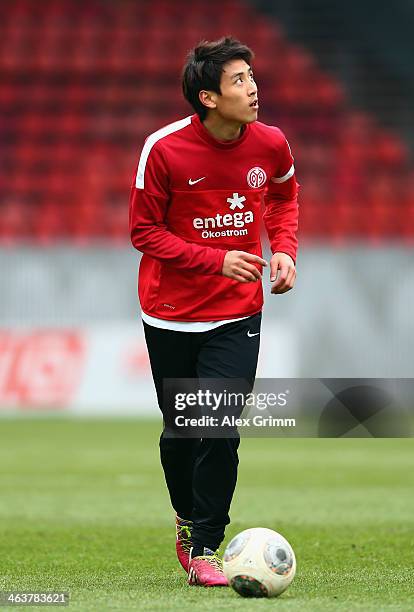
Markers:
<point>238,219</point>
<point>235,220</point>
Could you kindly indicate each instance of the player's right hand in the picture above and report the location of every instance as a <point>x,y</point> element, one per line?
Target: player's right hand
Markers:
<point>241,266</point>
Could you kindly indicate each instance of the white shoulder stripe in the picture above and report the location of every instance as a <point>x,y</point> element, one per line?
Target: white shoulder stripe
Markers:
<point>284,178</point>
<point>150,142</point>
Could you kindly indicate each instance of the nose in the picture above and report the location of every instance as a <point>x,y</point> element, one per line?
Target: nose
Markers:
<point>253,90</point>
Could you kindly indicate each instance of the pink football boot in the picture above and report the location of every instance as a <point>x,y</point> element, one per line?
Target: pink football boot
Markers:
<point>183,541</point>
<point>206,570</point>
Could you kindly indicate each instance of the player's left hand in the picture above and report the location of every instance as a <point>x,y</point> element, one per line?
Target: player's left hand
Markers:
<point>283,271</point>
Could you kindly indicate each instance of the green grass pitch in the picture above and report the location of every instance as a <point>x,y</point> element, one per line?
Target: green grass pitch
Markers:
<point>83,507</point>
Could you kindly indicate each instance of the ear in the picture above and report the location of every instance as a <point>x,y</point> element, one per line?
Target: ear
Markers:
<point>208,98</point>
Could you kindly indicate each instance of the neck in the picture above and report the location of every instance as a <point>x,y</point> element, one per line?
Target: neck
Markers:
<point>221,129</point>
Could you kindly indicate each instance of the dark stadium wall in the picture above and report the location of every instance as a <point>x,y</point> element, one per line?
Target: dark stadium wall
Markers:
<point>368,45</point>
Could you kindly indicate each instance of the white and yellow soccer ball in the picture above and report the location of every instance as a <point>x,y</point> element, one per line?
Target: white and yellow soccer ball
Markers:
<point>259,562</point>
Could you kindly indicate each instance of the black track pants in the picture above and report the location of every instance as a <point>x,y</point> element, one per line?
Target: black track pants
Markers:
<point>201,474</point>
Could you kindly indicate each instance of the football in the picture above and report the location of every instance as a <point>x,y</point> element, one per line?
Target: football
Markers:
<point>259,562</point>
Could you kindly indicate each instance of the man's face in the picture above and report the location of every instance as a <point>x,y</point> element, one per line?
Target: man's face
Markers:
<point>238,101</point>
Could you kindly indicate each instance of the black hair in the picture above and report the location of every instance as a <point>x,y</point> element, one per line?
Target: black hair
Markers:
<point>204,68</point>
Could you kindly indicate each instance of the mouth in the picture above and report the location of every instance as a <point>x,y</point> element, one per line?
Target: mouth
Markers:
<point>254,104</point>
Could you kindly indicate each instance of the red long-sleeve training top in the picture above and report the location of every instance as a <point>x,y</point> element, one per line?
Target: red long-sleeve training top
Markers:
<point>193,199</point>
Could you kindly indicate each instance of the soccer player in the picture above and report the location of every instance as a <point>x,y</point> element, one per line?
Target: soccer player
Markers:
<point>195,213</point>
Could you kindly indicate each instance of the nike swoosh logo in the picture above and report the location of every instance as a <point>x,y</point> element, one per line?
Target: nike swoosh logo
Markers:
<point>251,335</point>
<point>191,182</point>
